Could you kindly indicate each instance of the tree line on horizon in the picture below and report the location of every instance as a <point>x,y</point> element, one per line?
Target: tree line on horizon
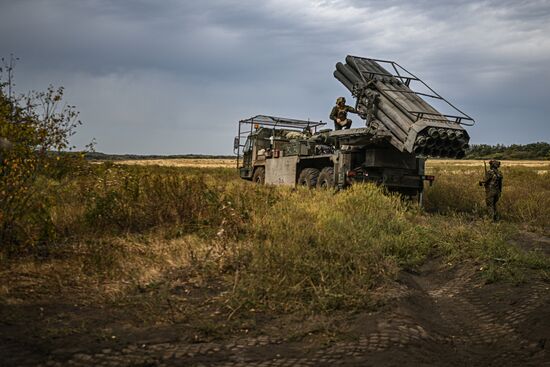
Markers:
<point>124,157</point>
<point>532,151</point>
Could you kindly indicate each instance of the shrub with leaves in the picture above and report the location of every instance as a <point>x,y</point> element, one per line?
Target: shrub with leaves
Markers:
<point>35,129</point>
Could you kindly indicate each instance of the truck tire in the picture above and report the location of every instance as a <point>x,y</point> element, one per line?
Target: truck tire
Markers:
<point>308,177</point>
<point>326,178</point>
<point>259,175</point>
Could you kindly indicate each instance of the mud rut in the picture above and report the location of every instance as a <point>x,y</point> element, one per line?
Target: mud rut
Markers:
<point>436,321</point>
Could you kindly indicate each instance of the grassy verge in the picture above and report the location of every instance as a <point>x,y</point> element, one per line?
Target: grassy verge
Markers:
<point>276,248</point>
<point>525,198</point>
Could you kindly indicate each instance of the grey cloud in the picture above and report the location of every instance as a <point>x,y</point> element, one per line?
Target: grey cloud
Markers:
<point>174,76</point>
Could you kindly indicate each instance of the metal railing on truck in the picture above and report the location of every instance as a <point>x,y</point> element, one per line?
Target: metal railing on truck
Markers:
<point>247,127</point>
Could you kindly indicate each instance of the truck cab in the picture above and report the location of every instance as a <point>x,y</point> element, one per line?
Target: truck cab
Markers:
<point>262,138</point>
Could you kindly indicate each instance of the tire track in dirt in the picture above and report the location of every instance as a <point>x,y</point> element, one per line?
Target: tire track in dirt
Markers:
<point>451,320</point>
<point>474,322</point>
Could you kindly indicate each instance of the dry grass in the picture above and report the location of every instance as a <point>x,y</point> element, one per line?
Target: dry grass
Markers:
<point>525,197</point>
<point>477,166</point>
<point>277,248</point>
<point>201,163</point>
<point>479,163</point>
<point>230,163</point>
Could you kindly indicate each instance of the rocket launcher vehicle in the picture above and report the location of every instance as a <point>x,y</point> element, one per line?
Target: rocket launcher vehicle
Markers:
<point>394,100</point>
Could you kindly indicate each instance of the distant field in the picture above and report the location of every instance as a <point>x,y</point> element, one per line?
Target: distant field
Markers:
<point>477,166</point>
<point>474,162</point>
<point>185,162</point>
<point>542,167</point>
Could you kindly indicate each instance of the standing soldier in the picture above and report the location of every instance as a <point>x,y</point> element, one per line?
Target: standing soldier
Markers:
<point>339,114</point>
<point>493,187</point>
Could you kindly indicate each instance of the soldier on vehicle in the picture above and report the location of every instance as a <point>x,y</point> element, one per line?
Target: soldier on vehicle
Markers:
<point>493,187</point>
<point>339,114</point>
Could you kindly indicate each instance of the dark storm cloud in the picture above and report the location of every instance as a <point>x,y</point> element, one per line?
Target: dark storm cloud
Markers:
<point>174,76</point>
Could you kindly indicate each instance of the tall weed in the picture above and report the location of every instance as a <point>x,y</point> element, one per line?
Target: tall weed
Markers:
<point>282,248</point>
<point>525,197</point>
<point>316,249</point>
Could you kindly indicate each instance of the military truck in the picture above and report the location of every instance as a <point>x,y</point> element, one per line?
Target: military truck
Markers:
<point>402,131</point>
<point>282,151</point>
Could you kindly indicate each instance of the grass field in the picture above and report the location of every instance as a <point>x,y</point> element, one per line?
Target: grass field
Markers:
<point>292,249</point>
<point>189,243</point>
<point>206,162</point>
<point>202,162</point>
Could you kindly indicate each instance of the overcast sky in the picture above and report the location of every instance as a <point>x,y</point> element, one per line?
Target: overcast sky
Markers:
<point>174,76</point>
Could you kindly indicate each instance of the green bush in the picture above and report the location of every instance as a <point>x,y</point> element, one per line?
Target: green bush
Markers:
<point>34,129</point>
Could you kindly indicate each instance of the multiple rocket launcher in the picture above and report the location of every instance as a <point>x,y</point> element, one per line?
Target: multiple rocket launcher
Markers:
<point>415,126</point>
<point>442,142</point>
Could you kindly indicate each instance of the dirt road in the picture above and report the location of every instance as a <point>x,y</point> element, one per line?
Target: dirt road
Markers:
<point>443,315</point>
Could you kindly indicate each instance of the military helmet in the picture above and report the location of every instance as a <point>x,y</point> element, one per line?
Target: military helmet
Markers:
<point>494,163</point>
<point>340,100</point>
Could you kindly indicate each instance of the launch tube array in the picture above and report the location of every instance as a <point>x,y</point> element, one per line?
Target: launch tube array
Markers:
<point>417,127</point>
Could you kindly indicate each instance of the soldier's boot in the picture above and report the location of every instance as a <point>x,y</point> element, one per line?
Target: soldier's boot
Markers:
<point>496,217</point>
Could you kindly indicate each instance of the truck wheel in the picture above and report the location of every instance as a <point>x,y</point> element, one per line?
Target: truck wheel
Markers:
<point>259,175</point>
<point>308,177</point>
<point>326,178</point>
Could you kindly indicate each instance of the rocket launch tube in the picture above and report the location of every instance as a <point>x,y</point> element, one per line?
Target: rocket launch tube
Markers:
<point>348,73</point>
<point>419,103</point>
<point>413,103</point>
<point>380,87</point>
<point>369,66</point>
<point>396,130</point>
<point>403,100</point>
<point>398,109</point>
<point>395,114</point>
<point>413,99</point>
<point>338,75</point>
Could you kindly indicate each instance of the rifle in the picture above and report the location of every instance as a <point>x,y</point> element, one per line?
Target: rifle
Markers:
<point>481,183</point>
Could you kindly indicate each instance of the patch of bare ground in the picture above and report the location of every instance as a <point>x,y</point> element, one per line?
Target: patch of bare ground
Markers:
<point>532,241</point>
<point>442,315</point>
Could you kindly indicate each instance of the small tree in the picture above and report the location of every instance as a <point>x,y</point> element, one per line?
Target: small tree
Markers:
<point>34,129</point>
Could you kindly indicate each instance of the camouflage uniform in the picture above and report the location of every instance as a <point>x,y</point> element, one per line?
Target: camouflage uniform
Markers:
<point>493,187</point>
<point>339,114</point>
